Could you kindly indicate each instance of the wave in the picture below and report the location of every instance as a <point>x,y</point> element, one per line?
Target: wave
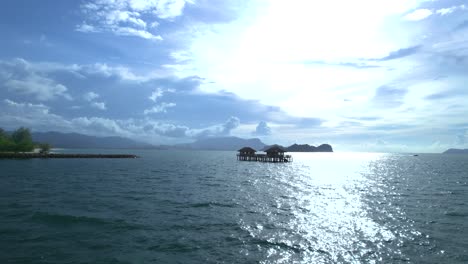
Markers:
<point>460,214</point>
<point>273,244</point>
<point>65,220</point>
<point>209,204</point>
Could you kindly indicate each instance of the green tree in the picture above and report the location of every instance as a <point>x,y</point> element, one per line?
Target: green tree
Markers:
<point>6,144</point>
<point>19,141</point>
<point>44,148</point>
<point>22,139</point>
<point>21,135</point>
<point>3,135</point>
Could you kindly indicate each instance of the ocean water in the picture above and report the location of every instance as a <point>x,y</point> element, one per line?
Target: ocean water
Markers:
<point>207,207</point>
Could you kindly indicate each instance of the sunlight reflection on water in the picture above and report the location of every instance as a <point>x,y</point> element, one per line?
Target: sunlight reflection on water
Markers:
<point>327,220</point>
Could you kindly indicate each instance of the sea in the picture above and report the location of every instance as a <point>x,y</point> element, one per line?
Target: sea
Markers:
<point>207,207</point>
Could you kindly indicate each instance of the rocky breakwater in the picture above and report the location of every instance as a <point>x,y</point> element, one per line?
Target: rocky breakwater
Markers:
<point>25,155</point>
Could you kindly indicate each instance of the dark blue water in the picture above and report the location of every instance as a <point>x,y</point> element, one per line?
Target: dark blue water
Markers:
<point>207,207</point>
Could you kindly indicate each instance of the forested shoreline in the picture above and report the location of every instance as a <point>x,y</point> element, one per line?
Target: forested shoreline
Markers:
<point>20,140</point>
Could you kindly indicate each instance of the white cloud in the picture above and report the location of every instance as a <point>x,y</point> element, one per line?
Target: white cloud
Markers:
<point>99,126</point>
<point>120,16</point>
<point>421,14</point>
<point>156,94</point>
<point>161,108</point>
<point>128,31</point>
<point>449,10</point>
<point>42,88</point>
<point>262,129</point>
<point>121,72</point>
<point>180,56</point>
<point>36,116</point>
<point>99,105</point>
<point>19,77</point>
<point>39,118</point>
<point>42,108</point>
<point>154,24</point>
<point>418,14</point>
<point>85,28</point>
<point>164,8</point>
<point>216,130</point>
<point>445,11</point>
<point>125,17</point>
<point>24,67</point>
<point>168,9</point>
<point>90,96</point>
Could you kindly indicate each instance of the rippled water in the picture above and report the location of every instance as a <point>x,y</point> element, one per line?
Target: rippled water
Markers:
<point>207,207</point>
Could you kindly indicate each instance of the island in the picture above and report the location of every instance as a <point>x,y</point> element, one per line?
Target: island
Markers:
<point>456,151</point>
<point>304,148</point>
<point>309,148</point>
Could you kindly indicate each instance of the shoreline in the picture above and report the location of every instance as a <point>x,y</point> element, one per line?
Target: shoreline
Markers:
<point>65,156</point>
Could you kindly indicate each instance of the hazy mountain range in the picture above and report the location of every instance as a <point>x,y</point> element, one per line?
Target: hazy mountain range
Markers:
<point>75,140</point>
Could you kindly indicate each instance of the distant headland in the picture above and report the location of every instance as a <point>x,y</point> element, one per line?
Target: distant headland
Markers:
<point>456,151</point>
<point>309,148</point>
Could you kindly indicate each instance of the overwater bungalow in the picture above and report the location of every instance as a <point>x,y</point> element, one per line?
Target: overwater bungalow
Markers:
<point>273,154</point>
<point>246,154</point>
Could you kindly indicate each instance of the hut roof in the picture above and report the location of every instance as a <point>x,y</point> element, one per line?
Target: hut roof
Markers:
<point>247,149</point>
<point>275,148</point>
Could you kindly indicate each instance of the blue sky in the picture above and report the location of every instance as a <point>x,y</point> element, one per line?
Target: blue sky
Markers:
<point>363,75</point>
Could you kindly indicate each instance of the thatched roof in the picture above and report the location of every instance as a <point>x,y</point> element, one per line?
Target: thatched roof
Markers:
<point>247,149</point>
<point>275,148</point>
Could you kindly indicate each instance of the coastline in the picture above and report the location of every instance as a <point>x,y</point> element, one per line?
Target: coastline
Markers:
<point>31,155</point>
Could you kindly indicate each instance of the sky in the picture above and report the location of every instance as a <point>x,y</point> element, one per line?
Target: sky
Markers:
<point>362,75</point>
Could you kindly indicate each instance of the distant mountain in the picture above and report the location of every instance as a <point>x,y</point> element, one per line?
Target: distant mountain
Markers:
<point>309,148</point>
<point>75,140</point>
<point>269,146</point>
<point>221,143</point>
<point>456,151</point>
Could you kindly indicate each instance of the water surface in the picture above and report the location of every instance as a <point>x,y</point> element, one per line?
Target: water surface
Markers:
<point>207,207</point>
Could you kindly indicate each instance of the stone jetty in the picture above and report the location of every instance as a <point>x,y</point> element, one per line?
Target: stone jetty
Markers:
<point>25,155</point>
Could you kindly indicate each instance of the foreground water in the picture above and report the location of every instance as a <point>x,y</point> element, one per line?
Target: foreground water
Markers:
<point>206,207</point>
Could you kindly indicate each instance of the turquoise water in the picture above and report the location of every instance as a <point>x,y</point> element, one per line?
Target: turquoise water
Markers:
<point>207,207</point>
